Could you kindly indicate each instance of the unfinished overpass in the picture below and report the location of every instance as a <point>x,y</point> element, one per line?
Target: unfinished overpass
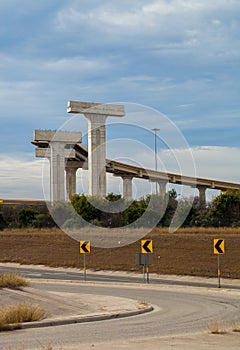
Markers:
<point>77,157</point>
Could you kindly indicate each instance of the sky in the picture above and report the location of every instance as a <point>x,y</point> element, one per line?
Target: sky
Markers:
<point>173,64</point>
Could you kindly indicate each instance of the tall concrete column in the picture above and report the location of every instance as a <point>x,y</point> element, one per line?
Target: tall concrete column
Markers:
<point>202,196</point>
<point>96,115</point>
<point>127,187</point>
<point>57,153</point>
<point>97,154</point>
<point>71,181</point>
<point>162,187</point>
<point>57,168</point>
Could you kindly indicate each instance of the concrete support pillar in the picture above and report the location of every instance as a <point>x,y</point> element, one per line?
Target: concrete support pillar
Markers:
<point>97,154</point>
<point>57,172</point>
<point>70,181</point>
<point>61,145</point>
<point>162,187</point>
<point>96,115</point>
<point>202,196</point>
<point>127,187</point>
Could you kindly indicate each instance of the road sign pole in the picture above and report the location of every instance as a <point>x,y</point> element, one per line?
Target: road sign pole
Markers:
<point>144,269</point>
<point>147,268</point>
<point>84,267</point>
<point>219,249</point>
<point>219,272</point>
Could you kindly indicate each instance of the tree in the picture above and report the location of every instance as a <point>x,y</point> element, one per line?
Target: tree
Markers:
<point>62,212</point>
<point>3,223</point>
<point>26,216</point>
<point>85,209</point>
<point>225,209</point>
<point>44,220</point>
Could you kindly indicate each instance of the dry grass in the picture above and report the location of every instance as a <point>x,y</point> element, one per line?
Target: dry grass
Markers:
<point>11,317</point>
<point>48,347</point>
<point>186,230</point>
<point>12,280</point>
<point>216,327</point>
<point>236,326</point>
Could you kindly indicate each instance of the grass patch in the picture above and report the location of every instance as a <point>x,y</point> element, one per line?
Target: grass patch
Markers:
<point>12,317</point>
<point>12,280</point>
<point>236,326</point>
<point>216,327</point>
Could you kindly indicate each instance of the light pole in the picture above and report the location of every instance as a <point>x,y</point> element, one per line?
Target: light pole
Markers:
<point>155,151</point>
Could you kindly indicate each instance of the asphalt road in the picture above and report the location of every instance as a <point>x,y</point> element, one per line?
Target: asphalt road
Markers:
<point>177,310</point>
<point>78,276</point>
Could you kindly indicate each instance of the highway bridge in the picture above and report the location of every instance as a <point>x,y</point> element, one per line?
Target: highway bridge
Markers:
<point>78,158</point>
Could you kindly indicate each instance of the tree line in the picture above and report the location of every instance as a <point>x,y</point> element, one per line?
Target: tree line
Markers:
<point>151,210</point>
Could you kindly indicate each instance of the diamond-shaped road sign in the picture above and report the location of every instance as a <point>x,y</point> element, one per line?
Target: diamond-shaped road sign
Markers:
<point>146,246</point>
<point>85,247</point>
<point>218,246</point>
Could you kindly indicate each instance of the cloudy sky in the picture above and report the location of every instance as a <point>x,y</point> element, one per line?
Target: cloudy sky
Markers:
<point>174,64</point>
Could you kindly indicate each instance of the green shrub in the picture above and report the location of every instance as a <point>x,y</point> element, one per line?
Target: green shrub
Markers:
<point>27,216</point>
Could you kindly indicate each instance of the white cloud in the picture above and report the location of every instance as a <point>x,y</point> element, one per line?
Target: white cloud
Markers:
<point>21,178</point>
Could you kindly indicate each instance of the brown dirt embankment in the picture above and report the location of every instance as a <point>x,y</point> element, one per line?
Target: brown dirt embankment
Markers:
<point>186,252</point>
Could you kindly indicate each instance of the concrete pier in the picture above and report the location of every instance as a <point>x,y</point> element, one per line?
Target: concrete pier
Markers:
<point>96,115</point>
<point>162,187</point>
<point>60,143</point>
<point>202,196</point>
<point>71,178</point>
<point>127,187</point>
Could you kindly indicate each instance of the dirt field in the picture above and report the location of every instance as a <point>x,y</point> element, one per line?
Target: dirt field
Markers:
<point>187,252</point>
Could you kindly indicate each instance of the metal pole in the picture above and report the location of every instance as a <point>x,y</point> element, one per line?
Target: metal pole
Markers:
<point>219,272</point>
<point>147,267</point>
<point>155,152</point>
<point>84,267</point>
<point>144,267</point>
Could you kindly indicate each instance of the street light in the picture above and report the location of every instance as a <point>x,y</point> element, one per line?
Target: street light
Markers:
<point>155,150</point>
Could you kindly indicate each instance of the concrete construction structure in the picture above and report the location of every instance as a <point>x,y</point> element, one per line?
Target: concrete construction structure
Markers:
<point>59,148</point>
<point>96,115</point>
<point>67,154</point>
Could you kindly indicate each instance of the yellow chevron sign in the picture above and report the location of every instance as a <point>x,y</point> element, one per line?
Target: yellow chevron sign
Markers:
<point>85,247</point>
<point>218,246</point>
<point>146,246</point>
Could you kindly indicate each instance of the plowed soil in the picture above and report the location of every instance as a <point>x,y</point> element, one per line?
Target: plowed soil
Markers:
<point>187,252</point>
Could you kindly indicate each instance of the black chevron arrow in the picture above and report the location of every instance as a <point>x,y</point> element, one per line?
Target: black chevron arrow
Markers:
<point>145,246</point>
<point>217,246</point>
<point>84,247</point>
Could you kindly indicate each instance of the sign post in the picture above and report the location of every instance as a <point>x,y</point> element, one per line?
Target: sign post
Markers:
<point>146,248</point>
<point>85,249</point>
<point>219,249</point>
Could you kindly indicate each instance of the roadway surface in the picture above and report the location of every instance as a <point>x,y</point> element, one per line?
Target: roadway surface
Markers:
<point>52,274</point>
<point>177,310</point>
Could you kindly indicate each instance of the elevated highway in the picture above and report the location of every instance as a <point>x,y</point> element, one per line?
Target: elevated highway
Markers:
<point>78,158</point>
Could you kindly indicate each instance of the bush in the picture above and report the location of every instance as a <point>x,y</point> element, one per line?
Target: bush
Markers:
<point>44,220</point>
<point>27,216</point>
<point>15,315</point>
<point>12,280</point>
<point>3,223</point>
<point>62,212</point>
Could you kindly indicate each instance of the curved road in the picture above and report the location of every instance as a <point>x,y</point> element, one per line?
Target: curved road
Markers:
<point>177,310</point>
<point>34,272</point>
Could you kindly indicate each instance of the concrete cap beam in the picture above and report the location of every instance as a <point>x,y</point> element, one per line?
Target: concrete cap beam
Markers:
<point>46,153</point>
<point>68,137</point>
<point>95,108</point>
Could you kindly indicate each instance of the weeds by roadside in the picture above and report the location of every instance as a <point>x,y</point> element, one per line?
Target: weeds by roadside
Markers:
<point>48,347</point>
<point>12,280</point>
<point>216,327</point>
<point>12,317</point>
<point>236,326</point>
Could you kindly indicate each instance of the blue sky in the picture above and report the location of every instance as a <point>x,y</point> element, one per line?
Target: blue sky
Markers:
<point>178,57</point>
